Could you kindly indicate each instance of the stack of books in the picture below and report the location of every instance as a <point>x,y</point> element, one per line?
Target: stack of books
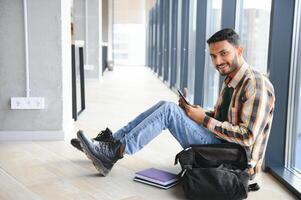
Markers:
<point>157,177</point>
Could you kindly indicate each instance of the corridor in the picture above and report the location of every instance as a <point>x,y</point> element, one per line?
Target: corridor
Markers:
<point>55,170</point>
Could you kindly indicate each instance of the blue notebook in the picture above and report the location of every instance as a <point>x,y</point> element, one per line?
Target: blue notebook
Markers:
<point>156,177</point>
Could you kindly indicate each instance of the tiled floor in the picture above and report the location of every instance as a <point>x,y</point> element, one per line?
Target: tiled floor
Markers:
<point>54,170</point>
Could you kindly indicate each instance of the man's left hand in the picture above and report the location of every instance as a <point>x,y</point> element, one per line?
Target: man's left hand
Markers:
<point>195,112</point>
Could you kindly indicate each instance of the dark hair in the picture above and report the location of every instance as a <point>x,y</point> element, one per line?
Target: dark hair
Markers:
<point>225,34</point>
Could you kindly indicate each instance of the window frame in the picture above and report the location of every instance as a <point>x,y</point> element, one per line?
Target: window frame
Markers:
<point>294,91</point>
<point>279,56</point>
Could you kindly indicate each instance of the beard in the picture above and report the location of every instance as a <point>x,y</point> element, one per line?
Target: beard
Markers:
<point>227,68</point>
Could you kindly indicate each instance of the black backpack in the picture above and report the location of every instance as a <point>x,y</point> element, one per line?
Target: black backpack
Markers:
<point>215,172</point>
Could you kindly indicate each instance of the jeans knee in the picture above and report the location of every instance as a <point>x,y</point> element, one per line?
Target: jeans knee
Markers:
<point>170,105</point>
<point>162,102</point>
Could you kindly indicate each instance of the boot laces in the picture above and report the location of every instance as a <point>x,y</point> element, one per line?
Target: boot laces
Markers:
<point>104,135</point>
<point>107,149</point>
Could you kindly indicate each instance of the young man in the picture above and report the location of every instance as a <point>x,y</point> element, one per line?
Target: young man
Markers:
<point>243,114</point>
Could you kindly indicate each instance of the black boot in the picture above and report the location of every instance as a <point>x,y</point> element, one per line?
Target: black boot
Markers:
<point>105,135</point>
<point>103,154</point>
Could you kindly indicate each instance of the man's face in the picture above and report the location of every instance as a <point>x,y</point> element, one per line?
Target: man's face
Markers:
<point>225,56</point>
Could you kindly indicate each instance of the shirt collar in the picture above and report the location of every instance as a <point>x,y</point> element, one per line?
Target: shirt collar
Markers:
<point>238,76</point>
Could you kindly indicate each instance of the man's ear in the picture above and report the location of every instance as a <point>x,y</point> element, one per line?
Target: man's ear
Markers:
<point>240,50</point>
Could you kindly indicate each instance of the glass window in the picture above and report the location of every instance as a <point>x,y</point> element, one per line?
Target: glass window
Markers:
<point>191,48</point>
<point>296,164</point>
<point>173,42</point>
<point>129,33</point>
<point>293,145</point>
<point>179,39</point>
<point>128,46</point>
<point>211,76</point>
<point>253,26</point>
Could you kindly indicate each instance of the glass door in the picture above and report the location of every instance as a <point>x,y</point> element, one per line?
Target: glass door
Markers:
<point>173,42</point>
<point>211,76</point>
<point>293,144</point>
<point>179,43</point>
<point>253,26</point>
<point>191,49</point>
<point>184,43</point>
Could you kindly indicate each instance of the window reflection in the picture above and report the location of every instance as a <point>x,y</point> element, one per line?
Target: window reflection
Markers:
<point>128,46</point>
<point>211,76</point>
<point>192,46</point>
<point>179,39</point>
<point>293,158</point>
<point>296,161</point>
<point>253,25</point>
<point>297,150</point>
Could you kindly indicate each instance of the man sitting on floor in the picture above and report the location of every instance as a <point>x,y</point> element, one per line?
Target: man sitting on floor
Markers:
<point>243,114</point>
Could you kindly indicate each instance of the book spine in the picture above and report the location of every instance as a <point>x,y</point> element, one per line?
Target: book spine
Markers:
<point>156,181</point>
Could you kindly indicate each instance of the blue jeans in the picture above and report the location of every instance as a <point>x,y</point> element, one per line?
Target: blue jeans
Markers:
<point>144,128</point>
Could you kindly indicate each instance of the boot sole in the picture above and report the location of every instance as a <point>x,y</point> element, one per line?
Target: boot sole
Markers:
<point>96,162</point>
<point>77,147</point>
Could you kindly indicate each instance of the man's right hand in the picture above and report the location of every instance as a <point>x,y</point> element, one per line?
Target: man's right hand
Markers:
<point>181,101</point>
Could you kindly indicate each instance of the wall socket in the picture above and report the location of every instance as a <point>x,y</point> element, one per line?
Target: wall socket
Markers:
<point>27,103</point>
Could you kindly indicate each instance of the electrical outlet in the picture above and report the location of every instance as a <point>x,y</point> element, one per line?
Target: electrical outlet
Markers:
<point>27,103</point>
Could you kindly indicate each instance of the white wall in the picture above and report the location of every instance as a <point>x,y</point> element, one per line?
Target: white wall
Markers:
<point>50,68</point>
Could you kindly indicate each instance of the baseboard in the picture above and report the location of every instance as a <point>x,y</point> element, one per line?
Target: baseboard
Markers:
<point>31,135</point>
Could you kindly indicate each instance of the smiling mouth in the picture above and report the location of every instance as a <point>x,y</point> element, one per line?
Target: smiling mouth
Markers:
<point>222,66</point>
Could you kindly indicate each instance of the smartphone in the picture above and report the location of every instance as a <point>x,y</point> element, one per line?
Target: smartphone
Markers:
<point>183,97</point>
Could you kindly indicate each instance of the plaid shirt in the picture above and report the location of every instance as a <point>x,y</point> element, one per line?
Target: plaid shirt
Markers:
<point>250,114</point>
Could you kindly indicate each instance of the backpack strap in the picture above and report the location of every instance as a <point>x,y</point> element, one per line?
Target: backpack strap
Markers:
<point>181,174</point>
<point>186,158</point>
<point>253,187</point>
